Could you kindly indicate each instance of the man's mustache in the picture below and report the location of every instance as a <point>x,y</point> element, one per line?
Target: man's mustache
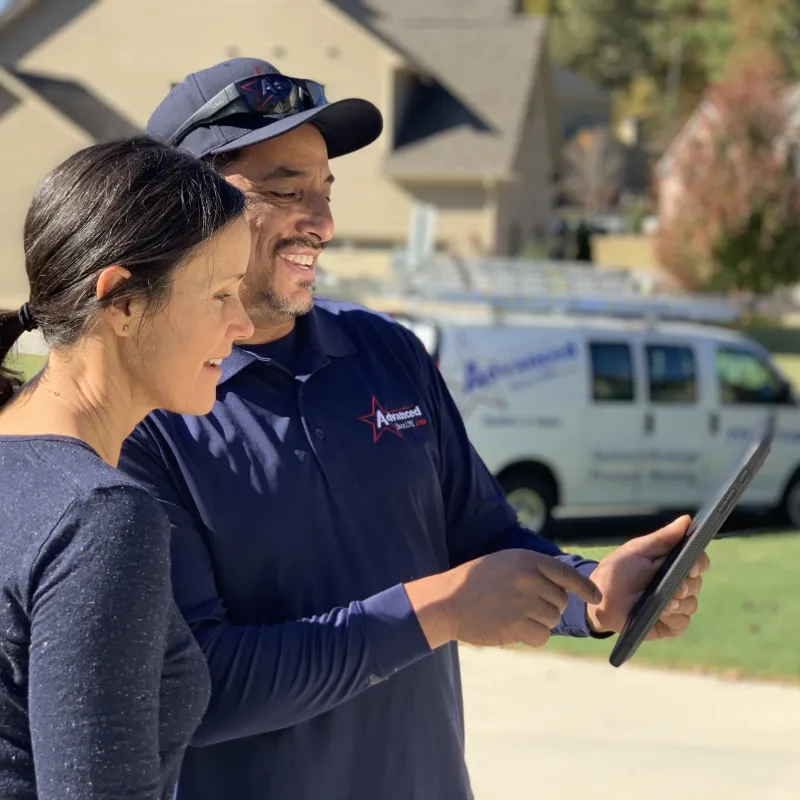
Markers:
<point>299,241</point>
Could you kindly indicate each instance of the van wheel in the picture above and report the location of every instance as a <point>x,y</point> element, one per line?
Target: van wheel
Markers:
<point>789,510</point>
<point>532,494</point>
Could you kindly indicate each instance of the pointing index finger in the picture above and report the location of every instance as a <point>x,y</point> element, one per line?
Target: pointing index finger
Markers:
<point>570,579</point>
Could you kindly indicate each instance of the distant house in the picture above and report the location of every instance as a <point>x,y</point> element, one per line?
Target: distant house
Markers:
<point>473,125</point>
<point>698,128</point>
<point>473,134</point>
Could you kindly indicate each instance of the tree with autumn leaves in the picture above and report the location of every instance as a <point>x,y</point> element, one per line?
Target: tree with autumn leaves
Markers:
<point>735,223</point>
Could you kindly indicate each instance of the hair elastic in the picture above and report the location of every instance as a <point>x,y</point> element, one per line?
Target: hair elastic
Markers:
<point>26,318</point>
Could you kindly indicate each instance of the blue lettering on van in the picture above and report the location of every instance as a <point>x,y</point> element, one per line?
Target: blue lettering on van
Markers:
<point>480,377</point>
<point>745,434</point>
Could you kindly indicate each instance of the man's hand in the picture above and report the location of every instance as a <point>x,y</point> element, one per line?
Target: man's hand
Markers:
<point>623,575</point>
<point>500,599</point>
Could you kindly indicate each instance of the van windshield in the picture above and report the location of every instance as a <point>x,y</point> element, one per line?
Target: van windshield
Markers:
<point>744,378</point>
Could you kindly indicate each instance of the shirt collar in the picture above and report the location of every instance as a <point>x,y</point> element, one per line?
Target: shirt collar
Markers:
<point>322,330</point>
<point>318,328</point>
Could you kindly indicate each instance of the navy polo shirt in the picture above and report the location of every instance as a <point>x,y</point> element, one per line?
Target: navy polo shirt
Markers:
<point>333,468</point>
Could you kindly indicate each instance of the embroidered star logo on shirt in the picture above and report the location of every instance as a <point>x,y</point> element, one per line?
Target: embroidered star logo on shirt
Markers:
<point>394,421</point>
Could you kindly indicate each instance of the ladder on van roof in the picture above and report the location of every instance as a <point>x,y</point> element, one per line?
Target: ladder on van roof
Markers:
<point>571,288</point>
<point>652,308</point>
<point>512,276</point>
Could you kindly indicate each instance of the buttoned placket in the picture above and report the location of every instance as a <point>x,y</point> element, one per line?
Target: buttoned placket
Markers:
<point>331,460</point>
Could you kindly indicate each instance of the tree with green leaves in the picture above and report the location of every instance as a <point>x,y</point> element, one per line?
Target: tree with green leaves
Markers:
<point>604,40</point>
<point>657,57</point>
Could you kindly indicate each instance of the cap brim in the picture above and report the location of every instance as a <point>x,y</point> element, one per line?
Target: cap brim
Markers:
<point>346,125</point>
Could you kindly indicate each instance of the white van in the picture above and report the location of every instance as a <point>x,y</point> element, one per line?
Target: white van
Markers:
<point>590,415</point>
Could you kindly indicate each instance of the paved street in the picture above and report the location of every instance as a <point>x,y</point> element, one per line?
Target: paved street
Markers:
<point>541,726</point>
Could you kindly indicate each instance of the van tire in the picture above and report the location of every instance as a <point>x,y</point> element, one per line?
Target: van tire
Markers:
<point>532,492</point>
<point>789,509</point>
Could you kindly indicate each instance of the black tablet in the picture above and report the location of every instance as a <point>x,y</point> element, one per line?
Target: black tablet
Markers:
<point>703,528</point>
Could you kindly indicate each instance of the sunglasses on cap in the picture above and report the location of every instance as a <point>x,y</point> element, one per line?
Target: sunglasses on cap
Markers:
<point>260,95</point>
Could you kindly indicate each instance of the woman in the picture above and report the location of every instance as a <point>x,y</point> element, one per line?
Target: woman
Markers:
<point>135,254</point>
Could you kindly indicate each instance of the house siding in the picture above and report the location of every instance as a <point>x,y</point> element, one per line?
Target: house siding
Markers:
<point>134,71</point>
<point>34,140</point>
<point>129,54</point>
<point>527,203</point>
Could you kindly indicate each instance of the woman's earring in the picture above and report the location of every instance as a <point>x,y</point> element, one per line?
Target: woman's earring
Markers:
<point>125,327</point>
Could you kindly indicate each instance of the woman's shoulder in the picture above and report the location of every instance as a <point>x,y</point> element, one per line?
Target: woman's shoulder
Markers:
<point>64,511</point>
<point>108,532</point>
<point>48,476</point>
<point>114,509</point>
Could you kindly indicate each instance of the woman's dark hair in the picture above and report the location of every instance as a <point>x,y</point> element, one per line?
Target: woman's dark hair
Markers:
<point>135,203</point>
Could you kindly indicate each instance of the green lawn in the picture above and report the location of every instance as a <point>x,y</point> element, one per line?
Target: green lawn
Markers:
<point>29,365</point>
<point>749,611</point>
<point>791,366</point>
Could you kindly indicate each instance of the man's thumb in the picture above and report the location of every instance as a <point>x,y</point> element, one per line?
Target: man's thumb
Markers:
<point>659,543</point>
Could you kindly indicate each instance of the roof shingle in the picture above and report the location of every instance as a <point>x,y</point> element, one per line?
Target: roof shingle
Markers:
<point>482,61</point>
<point>482,139</point>
<point>454,10</point>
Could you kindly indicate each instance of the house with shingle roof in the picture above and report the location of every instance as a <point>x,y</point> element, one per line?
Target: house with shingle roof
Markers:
<point>473,126</point>
<point>476,130</point>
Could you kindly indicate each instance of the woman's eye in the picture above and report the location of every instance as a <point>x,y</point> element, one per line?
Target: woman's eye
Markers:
<point>222,297</point>
<point>284,195</point>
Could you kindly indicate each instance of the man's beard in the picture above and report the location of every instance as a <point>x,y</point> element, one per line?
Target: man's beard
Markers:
<point>265,302</point>
<point>278,305</point>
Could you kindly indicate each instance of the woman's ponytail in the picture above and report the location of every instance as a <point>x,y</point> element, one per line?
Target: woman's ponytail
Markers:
<point>12,325</point>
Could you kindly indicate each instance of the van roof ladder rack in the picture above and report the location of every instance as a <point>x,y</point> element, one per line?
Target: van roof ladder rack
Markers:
<point>571,288</point>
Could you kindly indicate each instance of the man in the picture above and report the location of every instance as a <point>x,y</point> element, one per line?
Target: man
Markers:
<point>335,535</point>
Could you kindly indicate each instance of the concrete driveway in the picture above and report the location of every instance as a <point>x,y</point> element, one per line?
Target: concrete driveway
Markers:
<point>552,728</point>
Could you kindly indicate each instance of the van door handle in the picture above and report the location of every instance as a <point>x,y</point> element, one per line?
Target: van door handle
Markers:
<point>713,422</point>
<point>649,421</point>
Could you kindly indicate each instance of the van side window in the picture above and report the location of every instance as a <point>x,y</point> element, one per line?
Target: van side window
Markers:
<point>744,378</point>
<point>612,372</point>
<point>671,373</point>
